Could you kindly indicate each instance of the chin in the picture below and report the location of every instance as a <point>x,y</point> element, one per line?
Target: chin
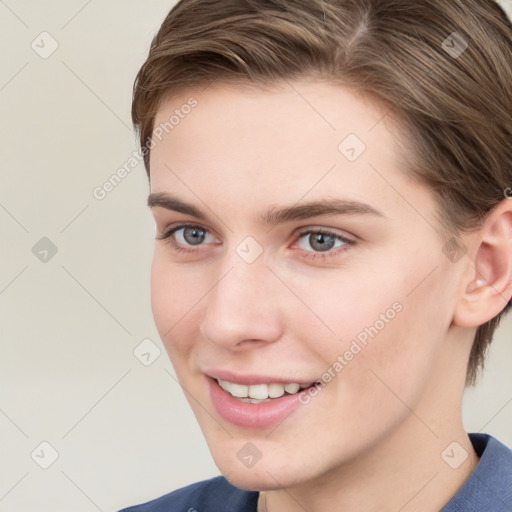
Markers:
<point>260,481</point>
<point>265,475</point>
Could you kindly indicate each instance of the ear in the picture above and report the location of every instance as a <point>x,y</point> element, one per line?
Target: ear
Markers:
<point>488,283</point>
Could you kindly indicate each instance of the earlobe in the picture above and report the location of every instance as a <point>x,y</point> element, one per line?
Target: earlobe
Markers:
<point>489,286</point>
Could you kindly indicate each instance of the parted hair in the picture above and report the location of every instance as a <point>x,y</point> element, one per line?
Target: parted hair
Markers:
<point>443,67</point>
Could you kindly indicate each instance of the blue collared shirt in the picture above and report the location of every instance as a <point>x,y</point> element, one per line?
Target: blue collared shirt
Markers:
<point>488,488</point>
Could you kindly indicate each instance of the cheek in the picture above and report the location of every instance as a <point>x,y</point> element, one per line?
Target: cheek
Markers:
<point>398,362</point>
<point>354,304</point>
<point>175,294</point>
<point>388,331</point>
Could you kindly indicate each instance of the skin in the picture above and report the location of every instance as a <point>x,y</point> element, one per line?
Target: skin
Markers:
<point>372,439</point>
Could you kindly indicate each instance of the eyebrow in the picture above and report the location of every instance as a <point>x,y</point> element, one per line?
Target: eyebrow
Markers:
<point>274,216</point>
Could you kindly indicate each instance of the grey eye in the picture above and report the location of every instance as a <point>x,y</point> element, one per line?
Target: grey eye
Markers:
<point>321,242</point>
<point>191,235</point>
<point>318,241</point>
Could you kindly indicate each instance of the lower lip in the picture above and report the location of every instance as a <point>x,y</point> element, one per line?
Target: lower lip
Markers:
<point>244,414</point>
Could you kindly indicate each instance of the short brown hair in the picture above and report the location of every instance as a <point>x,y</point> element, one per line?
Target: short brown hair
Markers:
<point>455,101</point>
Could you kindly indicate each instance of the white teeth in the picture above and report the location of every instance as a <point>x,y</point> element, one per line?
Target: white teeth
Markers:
<point>256,392</point>
<point>253,401</point>
<point>239,390</point>
<point>223,384</point>
<point>292,388</point>
<point>275,390</point>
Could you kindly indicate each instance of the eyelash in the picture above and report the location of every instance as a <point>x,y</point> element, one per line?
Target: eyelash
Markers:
<point>168,237</point>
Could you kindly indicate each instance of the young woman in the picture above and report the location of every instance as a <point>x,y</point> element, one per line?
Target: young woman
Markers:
<point>330,182</point>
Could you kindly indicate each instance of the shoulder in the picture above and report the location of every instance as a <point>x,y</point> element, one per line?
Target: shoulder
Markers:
<point>489,487</point>
<point>213,495</point>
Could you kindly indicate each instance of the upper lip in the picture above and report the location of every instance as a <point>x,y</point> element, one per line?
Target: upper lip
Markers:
<point>249,379</point>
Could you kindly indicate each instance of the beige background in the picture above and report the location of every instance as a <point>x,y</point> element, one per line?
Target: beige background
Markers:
<point>122,431</point>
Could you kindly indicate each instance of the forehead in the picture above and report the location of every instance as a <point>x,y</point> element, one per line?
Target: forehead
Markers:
<point>278,144</point>
<point>285,112</point>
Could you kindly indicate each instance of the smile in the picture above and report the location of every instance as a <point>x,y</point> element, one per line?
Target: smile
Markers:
<point>258,393</point>
<point>256,406</point>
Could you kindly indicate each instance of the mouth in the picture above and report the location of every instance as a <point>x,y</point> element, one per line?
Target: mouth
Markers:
<point>260,393</point>
<point>256,405</point>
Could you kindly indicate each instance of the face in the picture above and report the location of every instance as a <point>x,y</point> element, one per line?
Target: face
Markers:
<point>292,250</point>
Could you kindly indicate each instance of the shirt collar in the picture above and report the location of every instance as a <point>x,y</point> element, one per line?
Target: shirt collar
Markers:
<point>489,487</point>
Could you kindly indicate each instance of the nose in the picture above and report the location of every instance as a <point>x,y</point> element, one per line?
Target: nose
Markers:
<point>243,309</point>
